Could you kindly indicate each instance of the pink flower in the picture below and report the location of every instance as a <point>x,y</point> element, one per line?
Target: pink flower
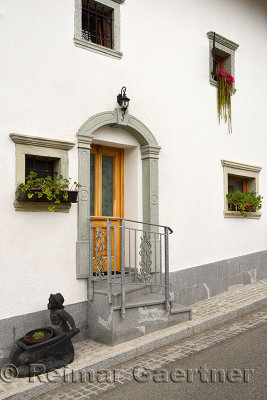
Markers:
<point>228,76</point>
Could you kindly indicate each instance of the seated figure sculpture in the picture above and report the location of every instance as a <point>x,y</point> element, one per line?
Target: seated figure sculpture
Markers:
<point>60,319</point>
<point>46,349</point>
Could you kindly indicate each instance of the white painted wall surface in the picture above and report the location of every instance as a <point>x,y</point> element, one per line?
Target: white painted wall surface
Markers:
<point>49,88</point>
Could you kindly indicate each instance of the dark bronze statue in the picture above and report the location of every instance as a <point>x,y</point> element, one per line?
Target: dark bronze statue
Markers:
<point>60,319</point>
<point>45,349</point>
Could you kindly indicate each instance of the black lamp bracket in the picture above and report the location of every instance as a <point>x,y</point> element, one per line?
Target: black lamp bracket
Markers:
<point>123,101</point>
<point>122,93</point>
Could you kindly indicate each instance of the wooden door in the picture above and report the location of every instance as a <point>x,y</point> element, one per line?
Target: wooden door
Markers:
<point>107,198</point>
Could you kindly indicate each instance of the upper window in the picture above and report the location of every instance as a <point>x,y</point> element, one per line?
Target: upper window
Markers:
<point>97,23</point>
<point>224,57</point>
<point>218,66</point>
<point>97,26</point>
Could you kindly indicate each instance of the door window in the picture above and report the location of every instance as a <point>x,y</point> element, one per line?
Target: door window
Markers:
<point>107,185</point>
<point>106,181</point>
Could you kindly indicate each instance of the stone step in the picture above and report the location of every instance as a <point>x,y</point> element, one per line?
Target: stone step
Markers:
<point>116,279</point>
<point>177,308</point>
<point>131,291</point>
<point>145,313</point>
<point>143,301</point>
<point>116,288</point>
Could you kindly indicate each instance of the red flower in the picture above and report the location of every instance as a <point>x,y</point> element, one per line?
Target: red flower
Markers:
<point>228,76</point>
<point>248,206</point>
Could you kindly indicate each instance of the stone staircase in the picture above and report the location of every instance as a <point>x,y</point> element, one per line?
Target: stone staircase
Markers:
<point>145,312</point>
<point>141,268</point>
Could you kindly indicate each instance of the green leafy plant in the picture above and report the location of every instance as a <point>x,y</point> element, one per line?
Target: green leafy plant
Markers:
<point>38,335</point>
<point>55,190</point>
<point>225,90</point>
<point>244,202</point>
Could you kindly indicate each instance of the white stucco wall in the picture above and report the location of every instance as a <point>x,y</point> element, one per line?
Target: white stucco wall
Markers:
<point>49,88</point>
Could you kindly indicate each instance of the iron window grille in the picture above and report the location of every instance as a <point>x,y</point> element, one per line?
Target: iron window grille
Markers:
<point>41,165</point>
<point>97,23</point>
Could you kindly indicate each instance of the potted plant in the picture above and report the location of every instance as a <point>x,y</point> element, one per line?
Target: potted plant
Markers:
<point>38,335</point>
<point>54,190</point>
<point>244,202</point>
<point>225,90</point>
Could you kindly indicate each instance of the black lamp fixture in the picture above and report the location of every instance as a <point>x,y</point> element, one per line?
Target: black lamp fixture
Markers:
<point>123,101</point>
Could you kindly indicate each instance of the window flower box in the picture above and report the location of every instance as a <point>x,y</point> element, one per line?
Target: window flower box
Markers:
<point>52,190</point>
<point>244,203</point>
<point>72,196</point>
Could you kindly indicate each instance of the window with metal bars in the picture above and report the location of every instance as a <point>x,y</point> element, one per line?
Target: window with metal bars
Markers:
<point>41,165</point>
<point>218,66</point>
<point>221,56</point>
<point>97,21</point>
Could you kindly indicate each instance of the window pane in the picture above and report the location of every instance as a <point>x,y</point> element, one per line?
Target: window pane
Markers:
<point>92,184</point>
<point>43,167</point>
<point>97,23</point>
<point>107,185</point>
<point>233,186</point>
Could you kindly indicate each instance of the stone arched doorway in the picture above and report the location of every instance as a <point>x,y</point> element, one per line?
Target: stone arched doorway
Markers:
<point>149,155</point>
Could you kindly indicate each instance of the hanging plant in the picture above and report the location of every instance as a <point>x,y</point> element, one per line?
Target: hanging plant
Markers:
<point>225,90</point>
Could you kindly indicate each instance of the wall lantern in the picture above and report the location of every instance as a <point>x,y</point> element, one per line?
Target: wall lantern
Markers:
<point>123,101</point>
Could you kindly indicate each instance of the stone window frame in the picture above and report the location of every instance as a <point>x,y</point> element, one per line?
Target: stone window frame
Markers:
<point>37,146</point>
<point>85,44</point>
<point>251,173</point>
<point>226,48</point>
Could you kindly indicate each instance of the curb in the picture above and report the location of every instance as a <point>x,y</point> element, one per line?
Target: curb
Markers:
<point>164,338</point>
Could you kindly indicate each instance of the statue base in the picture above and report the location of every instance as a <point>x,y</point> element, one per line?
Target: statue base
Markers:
<point>38,358</point>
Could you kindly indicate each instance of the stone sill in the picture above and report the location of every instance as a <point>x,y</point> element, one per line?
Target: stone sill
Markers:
<point>215,83</point>
<point>31,206</point>
<point>84,44</point>
<point>236,214</point>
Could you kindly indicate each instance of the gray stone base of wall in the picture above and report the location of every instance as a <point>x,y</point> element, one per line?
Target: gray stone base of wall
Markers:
<point>192,285</point>
<point>187,287</point>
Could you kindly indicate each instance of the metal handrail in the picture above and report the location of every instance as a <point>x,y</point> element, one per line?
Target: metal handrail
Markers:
<point>144,273</point>
<point>130,220</point>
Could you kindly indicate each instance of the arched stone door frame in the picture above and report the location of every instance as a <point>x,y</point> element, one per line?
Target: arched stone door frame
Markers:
<point>149,155</point>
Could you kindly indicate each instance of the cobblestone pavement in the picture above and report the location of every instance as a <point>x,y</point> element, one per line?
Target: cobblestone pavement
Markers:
<point>234,298</point>
<point>89,353</point>
<point>123,373</point>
